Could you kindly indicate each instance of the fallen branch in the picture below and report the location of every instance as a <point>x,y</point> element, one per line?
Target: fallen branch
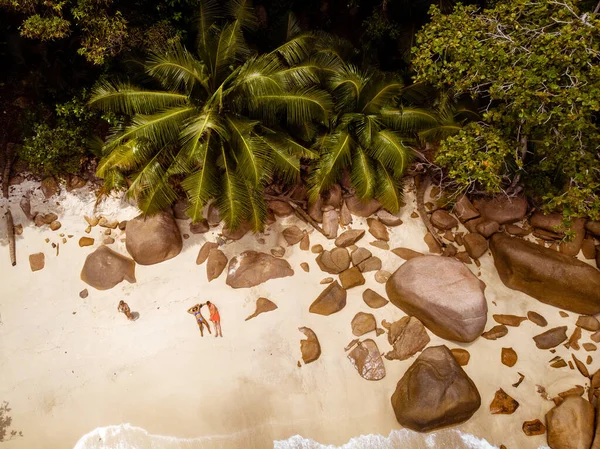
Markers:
<point>300,213</point>
<point>422,182</point>
<point>10,231</point>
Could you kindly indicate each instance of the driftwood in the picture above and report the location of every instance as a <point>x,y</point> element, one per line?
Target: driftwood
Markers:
<point>300,213</point>
<point>422,182</point>
<point>10,231</point>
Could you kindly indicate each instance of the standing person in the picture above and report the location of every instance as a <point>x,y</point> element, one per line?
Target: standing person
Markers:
<point>196,311</point>
<point>124,307</point>
<point>215,318</point>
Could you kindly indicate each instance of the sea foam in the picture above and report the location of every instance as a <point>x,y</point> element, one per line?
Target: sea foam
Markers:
<point>126,436</point>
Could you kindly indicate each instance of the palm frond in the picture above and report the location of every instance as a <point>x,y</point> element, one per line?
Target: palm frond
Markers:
<point>365,128</point>
<point>257,208</point>
<point>125,158</point>
<point>230,47</point>
<point>391,151</point>
<point>242,11</point>
<point>114,179</point>
<point>362,174</point>
<point>232,200</point>
<point>333,46</point>
<point>296,49</point>
<point>380,94</point>
<point>208,13</point>
<point>409,119</point>
<point>202,185</point>
<point>127,99</point>
<point>285,155</point>
<point>255,77</point>
<point>346,86</point>
<point>177,69</point>
<point>151,188</point>
<point>299,106</point>
<point>195,130</point>
<point>439,133</point>
<point>249,150</point>
<point>293,26</point>
<point>336,150</point>
<point>299,76</point>
<point>389,189</point>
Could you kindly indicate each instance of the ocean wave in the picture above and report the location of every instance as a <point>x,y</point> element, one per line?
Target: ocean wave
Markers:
<point>126,436</point>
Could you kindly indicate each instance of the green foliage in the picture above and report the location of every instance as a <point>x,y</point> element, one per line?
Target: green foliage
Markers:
<point>61,147</point>
<point>214,126</point>
<point>535,66</point>
<point>45,28</point>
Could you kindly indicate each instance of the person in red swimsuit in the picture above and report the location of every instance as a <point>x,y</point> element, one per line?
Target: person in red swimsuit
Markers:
<point>215,318</point>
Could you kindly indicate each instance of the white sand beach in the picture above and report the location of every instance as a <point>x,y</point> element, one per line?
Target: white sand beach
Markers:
<point>71,365</point>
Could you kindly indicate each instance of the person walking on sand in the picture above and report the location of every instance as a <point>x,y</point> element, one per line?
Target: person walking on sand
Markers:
<point>124,307</point>
<point>215,318</point>
<point>196,311</point>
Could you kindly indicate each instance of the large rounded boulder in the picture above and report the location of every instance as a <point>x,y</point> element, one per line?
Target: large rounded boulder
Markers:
<point>153,239</point>
<point>571,424</point>
<point>252,268</point>
<point>549,276</point>
<point>105,268</point>
<point>434,392</point>
<point>443,294</point>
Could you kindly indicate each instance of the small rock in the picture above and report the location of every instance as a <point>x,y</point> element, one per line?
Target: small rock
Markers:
<point>373,299</point>
<point>314,210</point>
<point>495,332</point>
<point>49,218</point>
<point>278,251</point>
<point>349,237</point>
<point>503,404</point>
<point>25,204</point>
<point>588,248</point>
<point>580,366</point>
<point>367,360</point>
<point>487,228</point>
<point>83,293</point>
<point>345,215</point>
<point>443,220</point>
<point>86,241</point>
<point>589,347</point>
<point>535,427</point>
<point>504,210</point>
<point>293,235</point>
<point>108,232</point>
<point>280,208</point>
<point>382,276</point>
<point>407,336</point>
<point>563,314</point>
<point>107,241</point>
<point>462,356</point>
<point>381,244</point>
<point>360,208</point>
<point>18,228</point>
<point>406,254</point>
<point>326,281</point>
<point>388,219</point>
<point>92,221</point>
<point>464,209</point>
<point>316,249</point>
<point>305,267</point>
<point>331,223</point>
<point>370,264</point>
<point>589,323</point>
<point>464,257</point>
<point>352,277</point>
<point>216,263</point>
<point>331,300</point>
<point>305,242</point>
<point>363,323</point>
<point>333,197</point>
<point>55,225</point>
<point>200,227</point>
<point>574,339</point>
<point>88,230</point>
<point>513,229</point>
<point>432,244</point>
<point>509,320</point>
<point>475,244</point>
<point>106,223</point>
<point>359,255</point>
<point>262,305</point>
<point>509,357</point>
<point>334,261</point>
<point>536,318</point>
<point>378,230</point>
<point>414,215</point>
<point>310,348</point>
<point>37,261</point>
<point>595,337</point>
<point>123,225</point>
<point>551,338</point>
<point>49,187</point>
<point>204,252</point>
<point>243,229</point>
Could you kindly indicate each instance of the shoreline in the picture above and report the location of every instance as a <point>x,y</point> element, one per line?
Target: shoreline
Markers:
<point>73,365</point>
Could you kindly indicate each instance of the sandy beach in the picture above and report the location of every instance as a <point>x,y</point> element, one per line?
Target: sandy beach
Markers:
<point>72,365</point>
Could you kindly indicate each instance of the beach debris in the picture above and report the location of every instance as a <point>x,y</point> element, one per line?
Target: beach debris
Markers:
<point>450,303</point>
<point>571,424</point>
<point>363,323</point>
<point>83,293</point>
<point>445,393</point>
<point>262,305</point>
<point>495,332</point>
<point>359,255</point>
<point>105,268</point>
<point>204,252</point>
<point>86,241</point>
<point>37,261</point>
<point>406,253</point>
<point>310,348</point>
<point>509,320</point>
<point>293,235</point>
<point>334,261</point>
<point>541,390</point>
<point>378,230</point>
<point>503,404</point>
<point>216,263</point>
<point>352,277</point>
<point>551,338</point>
<point>351,344</point>
<point>349,237</point>
<point>331,300</point>
<point>382,276</point>
<point>381,244</point>
<point>535,427</point>
<point>574,339</point>
<point>153,239</point>
<point>123,307</point>
<point>536,318</point>
<point>462,356</point>
<point>580,366</point>
<point>278,251</point>
<point>589,323</point>
<point>252,268</point>
<point>365,357</point>
<point>518,382</point>
<point>509,357</point>
<point>373,299</point>
<point>407,337</point>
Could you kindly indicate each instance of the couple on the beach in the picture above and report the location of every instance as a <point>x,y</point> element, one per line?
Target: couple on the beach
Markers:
<point>214,317</point>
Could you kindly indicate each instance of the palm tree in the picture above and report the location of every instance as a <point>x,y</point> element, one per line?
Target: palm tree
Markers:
<point>369,135</point>
<point>212,125</point>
